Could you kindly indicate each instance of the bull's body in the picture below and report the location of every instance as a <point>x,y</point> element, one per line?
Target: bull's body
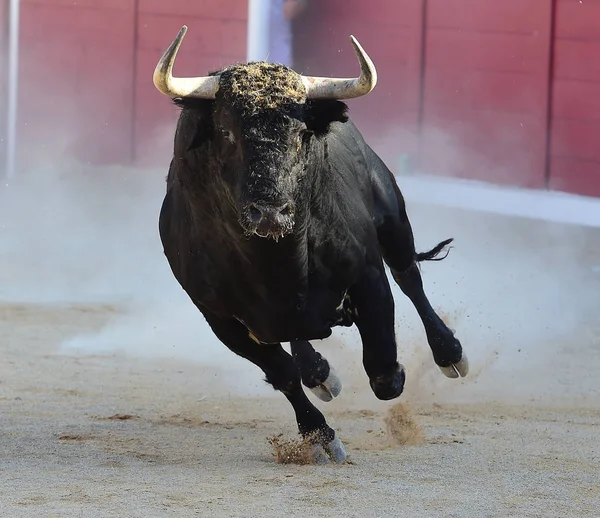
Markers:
<point>290,289</point>
<point>326,269</point>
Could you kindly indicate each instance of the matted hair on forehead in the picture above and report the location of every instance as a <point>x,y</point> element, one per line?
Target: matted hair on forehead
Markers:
<point>261,86</point>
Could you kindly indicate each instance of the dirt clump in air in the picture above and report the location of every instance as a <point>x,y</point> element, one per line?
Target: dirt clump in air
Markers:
<point>401,428</point>
<point>292,451</point>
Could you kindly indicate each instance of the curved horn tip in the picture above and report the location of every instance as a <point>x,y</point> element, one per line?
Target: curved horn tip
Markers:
<point>366,59</point>
<point>204,87</point>
<point>358,47</point>
<point>180,34</point>
<point>342,88</point>
<point>355,42</point>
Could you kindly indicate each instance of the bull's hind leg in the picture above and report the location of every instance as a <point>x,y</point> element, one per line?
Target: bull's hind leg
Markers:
<point>397,247</point>
<point>283,374</point>
<point>315,371</point>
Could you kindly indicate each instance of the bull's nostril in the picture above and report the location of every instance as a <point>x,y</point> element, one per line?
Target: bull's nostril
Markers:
<point>254,213</point>
<point>286,210</point>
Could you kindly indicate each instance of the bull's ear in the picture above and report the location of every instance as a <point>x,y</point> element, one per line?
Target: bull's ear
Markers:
<point>320,114</point>
<point>195,125</point>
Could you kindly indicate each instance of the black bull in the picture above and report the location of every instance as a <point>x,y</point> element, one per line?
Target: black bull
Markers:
<point>277,221</point>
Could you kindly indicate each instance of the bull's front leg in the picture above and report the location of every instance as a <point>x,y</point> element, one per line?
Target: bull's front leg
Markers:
<point>373,306</point>
<point>282,373</point>
<point>315,371</point>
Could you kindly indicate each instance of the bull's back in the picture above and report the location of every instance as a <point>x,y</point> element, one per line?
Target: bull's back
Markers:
<point>371,179</point>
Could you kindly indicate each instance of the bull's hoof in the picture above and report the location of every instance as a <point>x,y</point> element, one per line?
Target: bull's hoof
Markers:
<point>389,387</point>
<point>458,369</point>
<point>332,451</point>
<point>329,388</point>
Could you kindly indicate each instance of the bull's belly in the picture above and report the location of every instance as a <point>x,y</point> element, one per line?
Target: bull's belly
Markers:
<point>312,323</point>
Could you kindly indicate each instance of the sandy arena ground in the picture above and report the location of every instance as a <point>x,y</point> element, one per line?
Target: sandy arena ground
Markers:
<point>116,401</point>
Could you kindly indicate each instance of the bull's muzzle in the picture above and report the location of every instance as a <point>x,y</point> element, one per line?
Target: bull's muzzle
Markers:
<point>268,220</point>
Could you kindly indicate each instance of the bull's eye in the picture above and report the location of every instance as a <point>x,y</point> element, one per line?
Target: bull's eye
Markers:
<point>228,135</point>
<point>303,136</point>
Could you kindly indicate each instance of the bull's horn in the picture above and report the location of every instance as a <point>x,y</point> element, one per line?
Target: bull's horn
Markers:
<point>340,88</point>
<point>196,87</point>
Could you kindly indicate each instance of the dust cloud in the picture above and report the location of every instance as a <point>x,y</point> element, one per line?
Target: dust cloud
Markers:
<point>521,294</point>
<point>77,234</point>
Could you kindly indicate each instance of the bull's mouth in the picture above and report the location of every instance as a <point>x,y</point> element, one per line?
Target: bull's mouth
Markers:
<point>266,232</point>
<point>276,236</point>
<point>267,222</point>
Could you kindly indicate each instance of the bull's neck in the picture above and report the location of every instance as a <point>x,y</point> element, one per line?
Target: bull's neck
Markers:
<point>214,214</point>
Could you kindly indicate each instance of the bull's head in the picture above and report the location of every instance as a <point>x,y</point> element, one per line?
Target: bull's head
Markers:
<point>263,119</point>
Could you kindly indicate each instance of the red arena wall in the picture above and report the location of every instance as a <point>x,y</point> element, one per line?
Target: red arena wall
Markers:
<point>86,72</point>
<point>216,37</point>
<point>486,90</point>
<point>391,34</point>
<point>575,112</point>
<point>506,92</point>
<point>75,92</point>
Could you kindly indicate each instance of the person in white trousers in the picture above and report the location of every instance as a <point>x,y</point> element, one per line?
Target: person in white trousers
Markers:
<point>280,30</point>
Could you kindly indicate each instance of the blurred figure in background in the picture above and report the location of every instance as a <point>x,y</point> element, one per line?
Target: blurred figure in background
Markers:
<point>280,30</point>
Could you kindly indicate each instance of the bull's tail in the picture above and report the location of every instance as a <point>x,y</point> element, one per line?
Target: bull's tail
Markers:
<point>432,255</point>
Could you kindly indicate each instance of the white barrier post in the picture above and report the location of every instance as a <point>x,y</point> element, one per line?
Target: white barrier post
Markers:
<point>12,87</point>
<point>257,41</point>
